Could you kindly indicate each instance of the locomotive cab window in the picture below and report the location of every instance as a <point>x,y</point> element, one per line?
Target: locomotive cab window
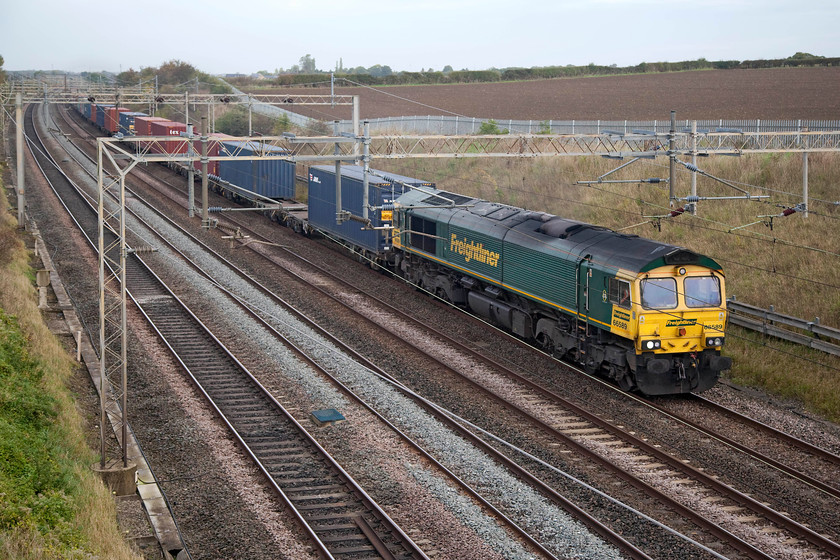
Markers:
<point>620,292</point>
<point>702,291</point>
<point>659,293</point>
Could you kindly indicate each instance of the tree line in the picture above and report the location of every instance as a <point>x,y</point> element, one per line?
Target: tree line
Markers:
<point>383,75</point>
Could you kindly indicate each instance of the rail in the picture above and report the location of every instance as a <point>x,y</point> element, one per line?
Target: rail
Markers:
<point>765,321</point>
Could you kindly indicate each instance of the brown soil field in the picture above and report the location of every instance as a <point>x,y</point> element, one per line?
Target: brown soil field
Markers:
<point>775,93</point>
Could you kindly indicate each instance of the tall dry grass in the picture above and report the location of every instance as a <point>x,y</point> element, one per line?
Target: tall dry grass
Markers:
<point>792,266</point>
<point>95,517</point>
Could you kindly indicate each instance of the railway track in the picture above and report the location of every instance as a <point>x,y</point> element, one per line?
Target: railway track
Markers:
<point>339,514</point>
<point>649,457</point>
<point>572,423</point>
<point>341,519</point>
<point>815,466</point>
<point>154,298</point>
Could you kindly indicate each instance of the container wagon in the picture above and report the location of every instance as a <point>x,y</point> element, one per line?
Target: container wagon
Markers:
<point>127,123</point>
<point>269,178</point>
<point>112,119</point>
<point>374,244</point>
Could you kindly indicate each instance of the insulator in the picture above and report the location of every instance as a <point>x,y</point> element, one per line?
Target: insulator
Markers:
<point>690,166</point>
<point>677,212</point>
<point>214,209</point>
<point>789,211</point>
<point>388,206</point>
<point>692,198</point>
<point>653,180</point>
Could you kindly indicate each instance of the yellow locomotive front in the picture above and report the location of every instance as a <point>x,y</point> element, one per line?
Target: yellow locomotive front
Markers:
<point>679,315</point>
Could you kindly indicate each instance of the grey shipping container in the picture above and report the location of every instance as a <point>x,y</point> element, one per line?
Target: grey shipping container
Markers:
<point>322,203</point>
<point>272,178</point>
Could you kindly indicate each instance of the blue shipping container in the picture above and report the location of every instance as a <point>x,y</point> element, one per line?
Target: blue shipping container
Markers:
<point>86,110</point>
<point>322,203</point>
<point>127,122</point>
<point>267,177</point>
<point>100,115</point>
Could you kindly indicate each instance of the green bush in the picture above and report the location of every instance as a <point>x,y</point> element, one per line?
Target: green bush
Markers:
<point>491,127</point>
<point>281,125</point>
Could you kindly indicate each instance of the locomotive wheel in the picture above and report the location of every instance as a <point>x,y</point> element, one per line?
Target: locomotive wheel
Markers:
<point>625,382</point>
<point>591,367</point>
<point>545,343</point>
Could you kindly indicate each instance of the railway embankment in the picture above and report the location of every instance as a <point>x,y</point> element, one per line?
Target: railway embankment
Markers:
<point>53,505</point>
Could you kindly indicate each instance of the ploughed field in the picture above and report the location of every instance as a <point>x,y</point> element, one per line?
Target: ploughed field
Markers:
<point>773,93</point>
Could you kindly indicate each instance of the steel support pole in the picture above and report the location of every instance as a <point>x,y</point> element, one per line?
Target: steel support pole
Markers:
<point>694,162</point>
<point>187,108</point>
<point>191,174</point>
<point>21,198</point>
<point>205,209</point>
<point>123,326</point>
<point>672,159</point>
<point>805,182</point>
<point>116,113</point>
<point>338,215</point>
<point>2,124</point>
<point>250,128</point>
<point>103,379</point>
<point>356,123</point>
<point>366,181</point>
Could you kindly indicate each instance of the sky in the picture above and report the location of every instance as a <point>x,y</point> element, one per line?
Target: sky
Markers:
<point>226,36</point>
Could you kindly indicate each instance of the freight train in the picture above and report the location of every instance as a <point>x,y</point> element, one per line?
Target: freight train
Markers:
<point>273,179</point>
<point>648,315</point>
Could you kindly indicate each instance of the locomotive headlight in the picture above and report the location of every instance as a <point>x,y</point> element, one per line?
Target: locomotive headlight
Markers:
<point>651,344</point>
<point>714,341</point>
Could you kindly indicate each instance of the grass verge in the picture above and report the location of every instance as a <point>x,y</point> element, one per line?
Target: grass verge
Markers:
<point>51,504</point>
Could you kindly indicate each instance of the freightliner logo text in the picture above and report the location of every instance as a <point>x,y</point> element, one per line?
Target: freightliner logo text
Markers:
<point>472,251</point>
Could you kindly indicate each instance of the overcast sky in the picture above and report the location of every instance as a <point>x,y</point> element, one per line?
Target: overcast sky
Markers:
<point>225,36</point>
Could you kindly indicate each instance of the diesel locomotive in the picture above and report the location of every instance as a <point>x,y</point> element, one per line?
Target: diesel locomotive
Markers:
<point>648,315</point>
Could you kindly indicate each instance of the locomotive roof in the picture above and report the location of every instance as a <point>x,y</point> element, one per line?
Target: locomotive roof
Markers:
<point>571,239</point>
